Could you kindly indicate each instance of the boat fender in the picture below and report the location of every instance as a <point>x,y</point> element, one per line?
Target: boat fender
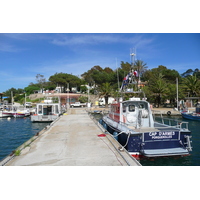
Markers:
<point>115,135</point>
<point>169,113</point>
<point>101,121</point>
<point>105,126</point>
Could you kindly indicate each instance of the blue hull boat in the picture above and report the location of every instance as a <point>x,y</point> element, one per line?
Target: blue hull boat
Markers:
<point>191,116</point>
<point>131,123</point>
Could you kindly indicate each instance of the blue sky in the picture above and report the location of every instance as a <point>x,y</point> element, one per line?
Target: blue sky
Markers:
<point>23,56</point>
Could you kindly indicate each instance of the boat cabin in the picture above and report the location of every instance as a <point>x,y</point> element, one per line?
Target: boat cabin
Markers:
<point>48,109</point>
<point>134,112</point>
<point>46,112</point>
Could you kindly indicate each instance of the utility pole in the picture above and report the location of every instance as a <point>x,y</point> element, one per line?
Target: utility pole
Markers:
<point>177,91</point>
<point>117,76</point>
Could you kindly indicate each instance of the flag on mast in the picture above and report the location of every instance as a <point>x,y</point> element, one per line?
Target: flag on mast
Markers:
<point>135,73</point>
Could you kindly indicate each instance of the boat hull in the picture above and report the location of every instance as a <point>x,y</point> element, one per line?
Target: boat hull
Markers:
<point>191,117</point>
<point>148,143</point>
<point>43,118</point>
<point>5,114</point>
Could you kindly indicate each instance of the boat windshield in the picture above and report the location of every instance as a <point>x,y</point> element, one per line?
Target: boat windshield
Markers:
<point>131,108</point>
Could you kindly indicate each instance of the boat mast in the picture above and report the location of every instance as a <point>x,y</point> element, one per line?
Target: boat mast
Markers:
<point>131,78</point>
<point>12,99</point>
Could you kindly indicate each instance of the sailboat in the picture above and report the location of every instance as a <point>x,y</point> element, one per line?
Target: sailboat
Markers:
<point>19,111</point>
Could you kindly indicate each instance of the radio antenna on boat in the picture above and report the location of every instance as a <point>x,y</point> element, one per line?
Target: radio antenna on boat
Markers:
<point>132,55</point>
<point>131,78</point>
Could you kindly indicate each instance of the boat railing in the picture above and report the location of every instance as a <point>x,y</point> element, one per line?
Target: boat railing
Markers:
<point>169,121</point>
<point>172,123</point>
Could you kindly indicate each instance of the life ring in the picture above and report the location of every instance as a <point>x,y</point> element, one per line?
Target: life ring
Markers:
<point>169,113</point>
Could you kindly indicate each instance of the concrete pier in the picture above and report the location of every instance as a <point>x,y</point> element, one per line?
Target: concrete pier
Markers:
<point>73,140</point>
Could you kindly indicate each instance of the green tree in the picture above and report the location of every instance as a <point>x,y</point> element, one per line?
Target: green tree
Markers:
<point>168,74</point>
<point>106,91</point>
<point>187,73</point>
<point>171,93</point>
<point>197,73</point>
<point>83,99</point>
<point>64,80</point>
<point>140,67</point>
<point>158,87</point>
<point>17,94</point>
<point>87,76</point>
<point>41,81</point>
<point>83,88</point>
<point>192,85</point>
<point>96,76</point>
<point>126,67</point>
<point>31,88</point>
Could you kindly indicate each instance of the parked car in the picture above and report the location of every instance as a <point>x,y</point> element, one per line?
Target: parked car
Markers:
<point>77,104</point>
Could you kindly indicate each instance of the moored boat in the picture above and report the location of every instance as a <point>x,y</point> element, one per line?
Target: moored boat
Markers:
<point>47,111</point>
<point>191,115</point>
<point>20,114</point>
<point>131,122</point>
<point>4,113</point>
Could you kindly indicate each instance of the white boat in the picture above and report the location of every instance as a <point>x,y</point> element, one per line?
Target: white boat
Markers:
<point>47,111</point>
<point>20,112</point>
<point>5,113</point>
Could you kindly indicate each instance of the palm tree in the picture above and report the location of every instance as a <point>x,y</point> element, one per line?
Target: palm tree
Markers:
<point>158,86</point>
<point>192,85</point>
<point>140,67</point>
<point>106,91</point>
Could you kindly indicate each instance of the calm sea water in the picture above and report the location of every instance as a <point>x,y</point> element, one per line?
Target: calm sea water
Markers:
<point>192,160</point>
<point>15,132</point>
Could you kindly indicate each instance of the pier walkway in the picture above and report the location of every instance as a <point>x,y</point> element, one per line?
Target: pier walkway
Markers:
<point>73,140</point>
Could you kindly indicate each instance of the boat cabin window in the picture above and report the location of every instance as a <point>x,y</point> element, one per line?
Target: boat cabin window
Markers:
<point>131,108</point>
<point>114,108</point>
<point>47,110</point>
<point>40,109</point>
<point>124,107</point>
<point>143,106</point>
<point>56,109</point>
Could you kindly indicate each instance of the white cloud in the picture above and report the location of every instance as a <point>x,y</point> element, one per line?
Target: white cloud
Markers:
<point>78,39</point>
<point>92,39</point>
<point>8,48</point>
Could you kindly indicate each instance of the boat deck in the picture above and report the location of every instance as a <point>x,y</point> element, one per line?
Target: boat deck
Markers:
<point>157,127</point>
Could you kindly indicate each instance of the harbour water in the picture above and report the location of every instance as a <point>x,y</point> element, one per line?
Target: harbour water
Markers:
<point>15,132</point>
